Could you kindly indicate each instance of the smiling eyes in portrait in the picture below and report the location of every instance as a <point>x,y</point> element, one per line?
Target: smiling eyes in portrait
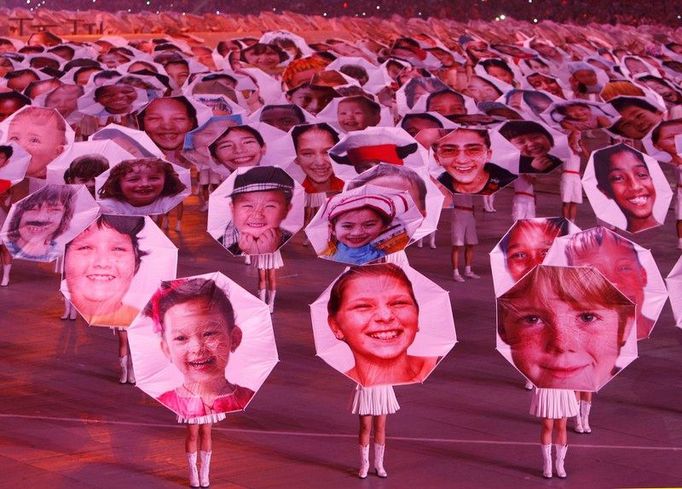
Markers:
<point>620,177</point>
<point>368,305</point>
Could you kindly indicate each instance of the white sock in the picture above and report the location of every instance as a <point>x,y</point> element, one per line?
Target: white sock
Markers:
<point>467,269</point>
<point>5,274</point>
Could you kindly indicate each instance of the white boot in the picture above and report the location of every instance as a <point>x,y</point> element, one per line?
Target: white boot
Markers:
<point>5,275</point>
<point>432,241</point>
<point>131,372</point>
<point>271,300</point>
<point>205,468</point>
<point>193,471</point>
<point>420,243</point>
<point>364,461</point>
<point>578,428</point>
<point>67,310</point>
<point>379,460</point>
<point>585,414</point>
<point>547,461</point>
<point>73,313</point>
<point>123,361</point>
<point>559,461</point>
<point>262,294</point>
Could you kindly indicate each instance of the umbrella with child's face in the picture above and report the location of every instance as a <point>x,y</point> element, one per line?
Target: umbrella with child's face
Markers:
<point>41,132</point>
<point>473,161</point>
<point>256,210</point>
<point>628,266</point>
<point>383,324</point>
<point>566,328</point>
<point>113,267</point>
<point>202,345</point>
<point>626,188</point>
<point>365,224</point>
<point>39,225</point>
<point>142,187</point>
<point>524,246</point>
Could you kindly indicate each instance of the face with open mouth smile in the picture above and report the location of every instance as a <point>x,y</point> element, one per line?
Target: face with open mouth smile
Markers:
<point>631,187</point>
<point>39,223</point>
<point>463,154</point>
<point>142,185</point>
<point>378,318</point>
<point>198,340</point>
<point>312,155</point>
<point>238,148</point>
<point>255,212</point>
<point>358,227</point>
<point>99,266</point>
<point>166,121</point>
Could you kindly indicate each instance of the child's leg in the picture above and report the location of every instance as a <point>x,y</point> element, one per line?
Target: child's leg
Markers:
<point>205,438</point>
<point>191,444</point>
<point>6,259</point>
<point>192,438</point>
<point>179,212</point>
<point>272,278</point>
<point>546,431</point>
<point>379,429</point>
<point>205,452</point>
<point>365,430</point>
<point>262,280</point>
<point>122,343</point>
<point>561,435</point>
<point>468,261</point>
<point>380,444</point>
<point>546,442</point>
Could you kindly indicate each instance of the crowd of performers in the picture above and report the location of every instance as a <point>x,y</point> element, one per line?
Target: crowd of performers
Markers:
<point>363,140</point>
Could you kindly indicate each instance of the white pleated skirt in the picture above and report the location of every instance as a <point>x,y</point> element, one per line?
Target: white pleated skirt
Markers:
<point>553,403</point>
<point>268,260</point>
<point>375,400</point>
<point>208,419</point>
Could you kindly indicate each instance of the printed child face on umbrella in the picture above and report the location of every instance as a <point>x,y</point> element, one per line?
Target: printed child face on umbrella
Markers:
<point>447,103</point>
<point>355,223</point>
<point>260,201</point>
<point>528,242</point>
<point>357,113</point>
<point>283,117</point>
<point>617,259</point>
<point>64,99</point>
<point>42,133</point>
<point>196,321</point>
<point>534,142</point>
<point>663,138</point>
<point>116,99</point>
<point>39,220</point>
<point>565,327</point>
<point>140,182</point>
<point>238,146</point>
<point>84,169</point>
<point>464,154</point>
<point>637,117</point>
<point>167,120</point>
<point>623,176</point>
<point>312,144</point>
<point>99,266</point>
<point>374,310</point>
